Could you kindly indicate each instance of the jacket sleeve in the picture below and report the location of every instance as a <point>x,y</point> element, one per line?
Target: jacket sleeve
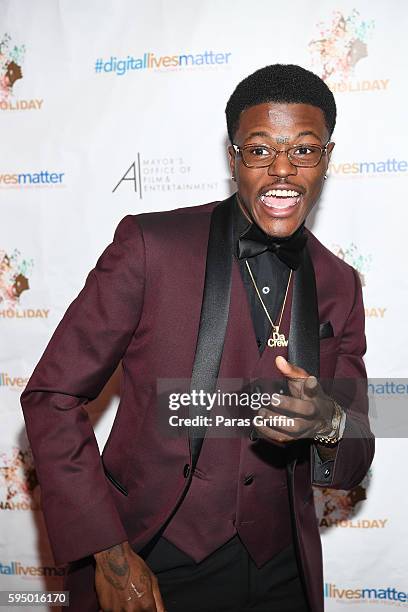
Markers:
<point>355,450</point>
<point>84,351</point>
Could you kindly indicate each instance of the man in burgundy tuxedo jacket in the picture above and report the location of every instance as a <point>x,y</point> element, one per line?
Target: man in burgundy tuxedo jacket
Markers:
<point>224,523</point>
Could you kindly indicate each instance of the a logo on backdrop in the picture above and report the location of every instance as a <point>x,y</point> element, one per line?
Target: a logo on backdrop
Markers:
<point>386,595</point>
<point>120,66</point>
<point>336,508</point>
<point>340,44</point>
<point>18,480</point>
<point>370,169</point>
<point>395,387</point>
<point>16,568</point>
<point>14,272</point>
<point>37,178</point>
<point>352,256</point>
<point>14,282</point>
<point>146,175</point>
<point>362,263</point>
<point>10,381</point>
<point>11,72</point>
<point>11,59</point>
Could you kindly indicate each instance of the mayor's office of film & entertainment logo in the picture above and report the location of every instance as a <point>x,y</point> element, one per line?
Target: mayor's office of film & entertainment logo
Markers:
<point>150,175</point>
<point>18,480</point>
<point>339,45</point>
<point>12,57</point>
<point>341,509</point>
<point>362,263</point>
<point>15,273</point>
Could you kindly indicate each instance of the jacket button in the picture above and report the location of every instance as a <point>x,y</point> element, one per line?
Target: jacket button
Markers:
<point>253,436</point>
<point>248,480</point>
<point>186,471</point>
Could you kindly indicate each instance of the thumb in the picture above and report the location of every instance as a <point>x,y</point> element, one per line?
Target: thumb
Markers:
<point>289,370</point>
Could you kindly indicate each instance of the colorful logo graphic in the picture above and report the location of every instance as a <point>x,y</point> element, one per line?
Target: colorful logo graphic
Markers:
<point>146,175</point>
<point>11,59</point>
<point>14,272</point>
<point>361,263</point>
<point>350,254</point>
<point>14,281</point>
<point>336,508</point>
<point>340,45</point>
<point>17,480</point>
<point>333,504</point>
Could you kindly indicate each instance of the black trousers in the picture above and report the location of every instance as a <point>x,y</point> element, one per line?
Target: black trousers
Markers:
<point>227,581</point>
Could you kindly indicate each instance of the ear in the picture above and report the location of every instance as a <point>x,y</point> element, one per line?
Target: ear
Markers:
<point>231,159</point>
<point>329,151</point>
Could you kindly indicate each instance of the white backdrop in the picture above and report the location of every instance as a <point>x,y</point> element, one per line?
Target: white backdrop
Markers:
<point>93,92</point>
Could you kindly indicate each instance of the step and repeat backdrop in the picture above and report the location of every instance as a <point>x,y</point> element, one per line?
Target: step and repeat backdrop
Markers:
<point>110,108</point>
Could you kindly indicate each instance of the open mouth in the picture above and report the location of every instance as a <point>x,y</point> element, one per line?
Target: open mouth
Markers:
<point>280,199</point>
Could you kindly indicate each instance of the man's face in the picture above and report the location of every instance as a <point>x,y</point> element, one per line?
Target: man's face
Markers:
<point>280,126</point>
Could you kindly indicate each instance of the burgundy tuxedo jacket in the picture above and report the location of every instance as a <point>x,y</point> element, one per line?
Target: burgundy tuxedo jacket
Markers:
<point>143,304</point>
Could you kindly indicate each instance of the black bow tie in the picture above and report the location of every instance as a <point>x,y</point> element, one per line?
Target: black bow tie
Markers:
<point>254,241</point>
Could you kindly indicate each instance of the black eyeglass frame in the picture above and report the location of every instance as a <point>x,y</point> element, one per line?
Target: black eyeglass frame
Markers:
<point>323,150</point>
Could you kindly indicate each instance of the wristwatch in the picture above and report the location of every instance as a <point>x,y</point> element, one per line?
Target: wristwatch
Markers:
<point>337,424</point>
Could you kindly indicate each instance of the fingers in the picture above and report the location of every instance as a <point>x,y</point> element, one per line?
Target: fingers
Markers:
<point>279,428</point>
<point>157,595</point>
<point>142,594</point>
<point>296,407</point>
<point>124,582</point>
<point>311,386</point>
<point>274,434</point>
<point>300,383</point>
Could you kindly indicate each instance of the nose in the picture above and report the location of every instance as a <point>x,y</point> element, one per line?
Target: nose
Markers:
<point>281,166</point>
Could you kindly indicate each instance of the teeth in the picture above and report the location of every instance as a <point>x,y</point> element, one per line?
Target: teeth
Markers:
<point>282,193</point>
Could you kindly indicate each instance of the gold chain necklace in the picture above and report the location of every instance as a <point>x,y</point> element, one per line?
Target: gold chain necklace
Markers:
<point>277,339</point>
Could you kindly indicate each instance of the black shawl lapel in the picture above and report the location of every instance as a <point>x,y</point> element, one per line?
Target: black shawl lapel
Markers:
<point>214,313</point>
<point>303,348</point>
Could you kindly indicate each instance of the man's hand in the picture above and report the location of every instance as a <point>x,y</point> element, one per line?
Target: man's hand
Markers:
<point>123,582</point>
<point>308,405</point>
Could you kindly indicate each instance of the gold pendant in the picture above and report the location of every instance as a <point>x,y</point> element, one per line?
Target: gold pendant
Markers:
<point>277,339</point>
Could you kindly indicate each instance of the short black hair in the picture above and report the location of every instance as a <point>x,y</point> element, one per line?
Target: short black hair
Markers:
<point>281,83</point>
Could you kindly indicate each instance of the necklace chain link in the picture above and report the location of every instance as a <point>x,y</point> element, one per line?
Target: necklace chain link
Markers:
<point>275,327</point>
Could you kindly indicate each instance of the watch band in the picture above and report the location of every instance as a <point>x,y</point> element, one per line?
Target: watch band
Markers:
<point>338,424</point>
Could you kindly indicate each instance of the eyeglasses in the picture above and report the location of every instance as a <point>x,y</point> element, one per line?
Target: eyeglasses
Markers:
<point>261,156</point>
